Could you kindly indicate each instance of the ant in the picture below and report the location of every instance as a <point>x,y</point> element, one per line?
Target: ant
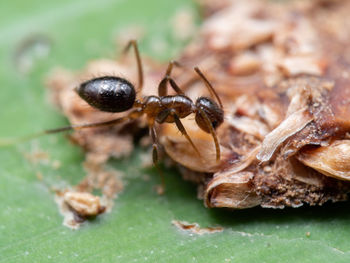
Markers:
<point>115,94</point>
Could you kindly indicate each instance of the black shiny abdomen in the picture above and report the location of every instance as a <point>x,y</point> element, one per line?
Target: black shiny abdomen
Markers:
<point>111,94</point>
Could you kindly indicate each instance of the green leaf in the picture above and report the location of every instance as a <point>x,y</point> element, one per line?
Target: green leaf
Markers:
<point>139,227</point>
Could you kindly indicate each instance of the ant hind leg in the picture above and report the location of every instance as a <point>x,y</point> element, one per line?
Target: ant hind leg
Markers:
<point>131,116</point>
<point>133,43</point>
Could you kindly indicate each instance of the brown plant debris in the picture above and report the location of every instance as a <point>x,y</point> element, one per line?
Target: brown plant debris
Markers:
<point>283,76</point>
<point>282,71</point>
<point>84,204</point>
<point>78,203</point>
<point>76,207</point>
<point>194,228</point>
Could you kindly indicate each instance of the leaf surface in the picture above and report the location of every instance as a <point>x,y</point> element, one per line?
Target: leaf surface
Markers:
<point>139,227</point>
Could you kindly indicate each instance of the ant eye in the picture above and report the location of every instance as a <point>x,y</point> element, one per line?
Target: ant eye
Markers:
<point>111,94</point>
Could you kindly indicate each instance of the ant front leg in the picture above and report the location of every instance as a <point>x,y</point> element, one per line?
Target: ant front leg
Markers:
<point>182,129</point>
<point>164,115</point>
<point>133,43</point>
<point>205,124</point>
<point>162,87</point>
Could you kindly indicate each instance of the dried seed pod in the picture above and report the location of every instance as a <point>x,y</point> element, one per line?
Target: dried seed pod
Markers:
<point>293,124</point>
<point>234,190</point>
<point>332,160</point>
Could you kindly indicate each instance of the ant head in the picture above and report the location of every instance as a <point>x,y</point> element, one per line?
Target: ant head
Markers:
<point>214,113</point>
<point>111,94</point>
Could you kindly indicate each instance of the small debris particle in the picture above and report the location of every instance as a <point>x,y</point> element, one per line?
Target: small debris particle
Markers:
<point>78,203</point>
<point>308,234</point>
<point>76,207</point>
<point>194,228</point>
<point>84,204</point>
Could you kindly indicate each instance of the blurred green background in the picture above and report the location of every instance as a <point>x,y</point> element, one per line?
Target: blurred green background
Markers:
<point>139,227</point>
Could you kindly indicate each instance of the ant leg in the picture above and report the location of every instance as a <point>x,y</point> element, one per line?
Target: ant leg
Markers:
<point>162,117</point>
<point>184,132</point>
<point>131,116</point>
<point>212,132</point>
<point>133,43</point>
<point>162,87</point>
<point>175,87</point>
<point>209,86</point>
<point>155,156</point>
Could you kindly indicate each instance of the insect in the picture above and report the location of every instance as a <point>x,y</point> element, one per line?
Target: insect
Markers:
<point>115,94</point>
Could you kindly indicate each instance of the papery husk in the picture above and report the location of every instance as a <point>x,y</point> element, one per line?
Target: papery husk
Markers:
<point>178,148</point>
<point>332,160</point>
<point>290,126</point>
<point>232,190</point>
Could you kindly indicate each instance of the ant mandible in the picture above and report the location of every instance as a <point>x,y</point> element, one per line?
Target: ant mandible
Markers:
<point>115,94</point>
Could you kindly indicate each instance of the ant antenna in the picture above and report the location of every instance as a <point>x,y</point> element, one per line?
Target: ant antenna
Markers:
<point>8,142</point>
<point>209,86</point>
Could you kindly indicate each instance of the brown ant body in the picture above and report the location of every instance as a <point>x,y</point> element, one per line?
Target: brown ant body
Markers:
<point>115,94</point>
